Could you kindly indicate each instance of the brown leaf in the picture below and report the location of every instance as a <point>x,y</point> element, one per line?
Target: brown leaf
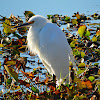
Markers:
<point>24,83</point>
<point>37,79</point>
<point>57,92</point>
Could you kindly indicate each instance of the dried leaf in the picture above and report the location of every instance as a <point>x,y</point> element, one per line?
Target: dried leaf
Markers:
<point>24,83</point>
<point>11,62</point>
<point>78,16</point>
<point>37,79</point>
<point>46,81</point>
<point>99,72</point>
<point>57,92</point>
<point>98,32</point>
<point>11,72</point>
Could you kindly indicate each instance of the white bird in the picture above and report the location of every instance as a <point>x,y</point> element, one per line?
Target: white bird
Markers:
<point>48,41</point>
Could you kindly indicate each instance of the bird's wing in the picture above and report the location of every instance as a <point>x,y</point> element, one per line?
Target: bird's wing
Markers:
<point>54,50</point>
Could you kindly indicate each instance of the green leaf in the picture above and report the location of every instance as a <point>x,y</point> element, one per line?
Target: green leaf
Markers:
<point>11,72</point>
<point>9,81</point>
<point>80,71</point>
<point>49,16</point>
<point>96,64</point>
<point>81,30</point>
<point>74,21</point>
<point>87,33</point>
<point>28,14</point>
<point>67,18</point>
<point>82,54</point>
<point>72,44</point>
<point>34,89</point>
<point>76,52</point>
<point>91,78</point>
<point>99,88</point>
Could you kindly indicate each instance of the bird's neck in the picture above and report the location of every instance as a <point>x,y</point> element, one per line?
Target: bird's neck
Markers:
<point>33,40</point>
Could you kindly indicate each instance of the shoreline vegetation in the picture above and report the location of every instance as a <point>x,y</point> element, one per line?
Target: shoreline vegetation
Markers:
<point>21,80</point>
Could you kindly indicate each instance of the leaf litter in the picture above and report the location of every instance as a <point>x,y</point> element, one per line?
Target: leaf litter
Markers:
<point>25,78</point>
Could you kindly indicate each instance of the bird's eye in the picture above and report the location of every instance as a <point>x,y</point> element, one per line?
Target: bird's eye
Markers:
<point>31,22</point>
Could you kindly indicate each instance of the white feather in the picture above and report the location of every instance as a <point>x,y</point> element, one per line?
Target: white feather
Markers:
<point>49,42</point>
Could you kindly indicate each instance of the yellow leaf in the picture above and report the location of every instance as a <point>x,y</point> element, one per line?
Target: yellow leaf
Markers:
<point>81,65</point>
<point>7,27</point>
<point>1,52</point>
<point>1,45</point>
<point>11,62</point>
<point>94,39</point>
<point>22,47</point>
<point>18,87</point>
<point>82,54</point>
<point>81,30</point>
<point>98,33</point>
<point>99,71</point>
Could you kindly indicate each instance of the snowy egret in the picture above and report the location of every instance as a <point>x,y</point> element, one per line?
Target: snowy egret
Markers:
<point>48,41</point>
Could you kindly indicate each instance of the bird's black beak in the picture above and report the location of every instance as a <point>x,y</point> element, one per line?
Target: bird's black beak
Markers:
<point>22,25</point>
<point>25,24</point>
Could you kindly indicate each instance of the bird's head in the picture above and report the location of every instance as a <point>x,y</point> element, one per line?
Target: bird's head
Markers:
<point>34,21</point>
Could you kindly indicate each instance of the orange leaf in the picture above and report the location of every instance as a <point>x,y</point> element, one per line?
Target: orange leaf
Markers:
<point>30,75</point>
<point>83,84</point>
<point>89,84</point>
<point>86,84</point>
<point>78,16</point>
<point>57,92</point>
<point>23,72</point>
<point>27,85</point>
<point>46,81</point>
<point>52,88</point>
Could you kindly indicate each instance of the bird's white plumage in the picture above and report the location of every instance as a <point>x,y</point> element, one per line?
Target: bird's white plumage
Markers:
<point>49,42</point>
